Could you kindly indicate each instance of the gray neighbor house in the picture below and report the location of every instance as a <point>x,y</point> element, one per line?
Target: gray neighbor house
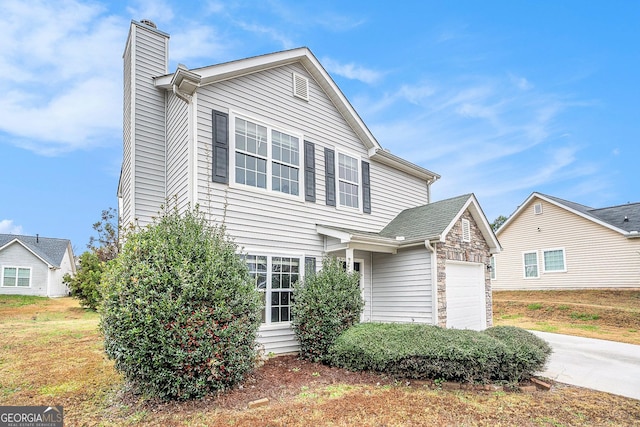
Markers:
<point>270,146</point>
<point>34,265</point>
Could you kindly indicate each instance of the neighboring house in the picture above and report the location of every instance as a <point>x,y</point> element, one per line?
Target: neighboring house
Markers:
<point>33,265</point>
<point>550,243</point>
<point>270,146</point>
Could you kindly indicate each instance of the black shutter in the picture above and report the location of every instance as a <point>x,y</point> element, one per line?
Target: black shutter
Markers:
<point>220,149</point>
<point>309,172</point>
<point>330,176</point>
<point>366,188</point>
<point>309,266</point>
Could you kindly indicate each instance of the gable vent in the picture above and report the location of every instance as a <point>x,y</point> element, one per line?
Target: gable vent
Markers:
<point>466,230</point>
<point>537,208</point>
<point>300,86</point>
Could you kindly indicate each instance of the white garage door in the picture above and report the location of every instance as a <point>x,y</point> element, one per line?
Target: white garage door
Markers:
<point>466,301</point>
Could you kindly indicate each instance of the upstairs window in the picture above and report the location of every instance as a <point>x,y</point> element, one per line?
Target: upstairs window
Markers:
<point>266,158</point>
<point>348,181</point>
<point>537,209</point>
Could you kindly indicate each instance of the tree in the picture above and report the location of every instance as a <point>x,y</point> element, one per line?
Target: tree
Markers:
<point>497,223</point>
<point>85,284</point>
<point>106,246</point>
<point>180,313</point>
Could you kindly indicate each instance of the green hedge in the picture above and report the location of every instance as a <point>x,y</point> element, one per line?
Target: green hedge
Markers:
<point>430,352</point>
<point>525,353</point>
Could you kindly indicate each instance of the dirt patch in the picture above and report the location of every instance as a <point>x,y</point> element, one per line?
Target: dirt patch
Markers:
<point>605,314</point>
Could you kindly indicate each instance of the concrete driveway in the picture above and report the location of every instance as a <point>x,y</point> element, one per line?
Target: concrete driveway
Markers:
<point>596,364</point>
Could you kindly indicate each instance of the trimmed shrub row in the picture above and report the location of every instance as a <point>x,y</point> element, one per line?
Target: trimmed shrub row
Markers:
<point>428,352</point>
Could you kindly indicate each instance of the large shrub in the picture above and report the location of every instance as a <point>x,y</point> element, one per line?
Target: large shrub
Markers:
<point>180,312</point>
<point>85,284</point>
<point>425,351</point>
<point>525,353</point>
<point>324,305</point>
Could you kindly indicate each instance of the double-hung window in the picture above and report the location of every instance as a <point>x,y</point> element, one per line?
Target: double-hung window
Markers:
<point>348,181</point>
<point>16,277</point>
<point>266,157</point>
<point>554,260</point>
<point>275,277</point>
<point>530,265</point>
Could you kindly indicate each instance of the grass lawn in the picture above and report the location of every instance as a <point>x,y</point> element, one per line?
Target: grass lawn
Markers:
<point>51,354</point>
<point>605,314</point>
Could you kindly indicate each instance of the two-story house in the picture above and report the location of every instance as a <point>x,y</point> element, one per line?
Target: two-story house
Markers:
<point>270,146</point>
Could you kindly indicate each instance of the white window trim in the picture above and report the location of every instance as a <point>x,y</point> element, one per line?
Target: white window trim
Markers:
<point>267,301</point>
<point>493,274</point>
<point>466,226</point>
<point>564,261</point>
<point>232,156</point>
<point>359,183</point>
<point>17,269</point>
<point>524,265</point>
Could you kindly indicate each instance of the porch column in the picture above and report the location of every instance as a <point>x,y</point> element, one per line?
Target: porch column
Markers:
<point>349,259</point>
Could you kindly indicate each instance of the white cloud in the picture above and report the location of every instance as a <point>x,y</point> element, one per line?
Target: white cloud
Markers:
<point>197,41</point>
<point>273,33</point>
<point>158,11</point>
<point>70,97</point>
<point>352,71</point>
<point>8,227</point>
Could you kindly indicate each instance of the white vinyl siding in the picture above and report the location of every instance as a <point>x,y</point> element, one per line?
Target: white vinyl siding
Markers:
<point>178,153</point>
<point>595,257</point>
<point>401,290</point>
<point>144,160</point>
<point>530,265</point>
<point>553,260</point>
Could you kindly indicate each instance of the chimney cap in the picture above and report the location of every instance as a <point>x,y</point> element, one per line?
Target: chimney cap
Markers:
<point>148,23</point>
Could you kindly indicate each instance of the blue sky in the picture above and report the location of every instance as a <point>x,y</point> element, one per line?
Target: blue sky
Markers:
<point>501,98</point>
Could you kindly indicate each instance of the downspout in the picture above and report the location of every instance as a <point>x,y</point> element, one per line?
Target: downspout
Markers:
<point>434,280</point>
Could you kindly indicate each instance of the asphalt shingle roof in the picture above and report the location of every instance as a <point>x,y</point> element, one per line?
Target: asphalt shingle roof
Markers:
<point>612,215</point>
<point>425,221</point>
<point>50,249</point>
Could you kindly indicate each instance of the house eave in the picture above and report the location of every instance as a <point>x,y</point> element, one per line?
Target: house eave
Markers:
<point>385,157</point>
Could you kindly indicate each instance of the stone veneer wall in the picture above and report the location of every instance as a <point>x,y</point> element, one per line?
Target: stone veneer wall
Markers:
<point>477,250</point>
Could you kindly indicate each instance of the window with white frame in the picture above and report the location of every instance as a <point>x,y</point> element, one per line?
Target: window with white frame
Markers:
<point>266,157</point>
<point>348,181</point>
<point>275,277</point>
<point>530,260</point>
<point>16,277</point>
<point>554,260</point>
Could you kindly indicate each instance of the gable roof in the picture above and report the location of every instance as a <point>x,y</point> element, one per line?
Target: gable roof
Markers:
<point>184,83</point>
<point>431,222</point>
<point>50,250</point>
<point>623,219</point>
